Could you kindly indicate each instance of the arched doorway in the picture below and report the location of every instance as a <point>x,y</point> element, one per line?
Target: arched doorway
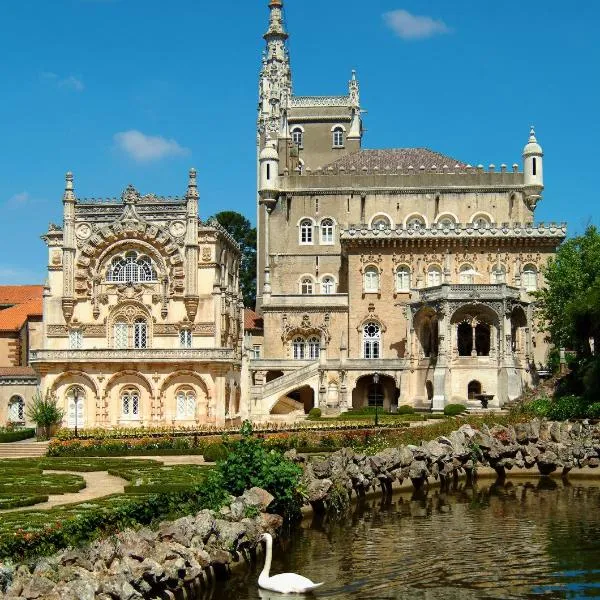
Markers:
<point>383,394</point>
<point>474,330</point>
<point>426,328</point>
<point>473,389</point>
<point>301,399</point>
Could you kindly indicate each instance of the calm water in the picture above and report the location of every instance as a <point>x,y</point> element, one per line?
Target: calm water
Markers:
<point>520,540</point>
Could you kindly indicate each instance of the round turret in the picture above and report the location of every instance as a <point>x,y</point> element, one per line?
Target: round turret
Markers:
<point>533,162</point>
<point>269,173</point>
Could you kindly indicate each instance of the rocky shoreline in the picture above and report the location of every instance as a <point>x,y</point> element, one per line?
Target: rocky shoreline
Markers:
<point>180,558</point>
<point>174,561</point>
<point>549,446</point>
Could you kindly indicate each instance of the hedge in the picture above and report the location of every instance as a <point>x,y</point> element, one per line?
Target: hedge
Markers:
<point>16,435</point>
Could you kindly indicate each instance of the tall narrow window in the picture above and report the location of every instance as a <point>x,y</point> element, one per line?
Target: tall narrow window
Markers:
<point>121,335</point>
<point>76,407</point>
<point>75,339</point>
<point>313,348</point>
<point>268,171</point>
<point>434,276</point>
<point>16,410</point>
<point>140,334</point>
<point>534,166</point>
<point>185,338</point>
<point>371,279</point>
<point>306,231</point>
<point>298,348</point>
<point>529,278</point>
<point>327,231</point>
<point>371,341</point>
<point>328,285</point>
<point>298,137</point>
<point>403,279</point>
<point>338,137</point>
<point>498,274</point>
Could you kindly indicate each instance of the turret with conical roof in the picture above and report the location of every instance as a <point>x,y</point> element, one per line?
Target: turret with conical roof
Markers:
<point>533,170</point>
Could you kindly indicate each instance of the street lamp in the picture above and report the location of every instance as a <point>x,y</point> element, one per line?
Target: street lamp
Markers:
<point>76,399</point>
<point>376,394</point>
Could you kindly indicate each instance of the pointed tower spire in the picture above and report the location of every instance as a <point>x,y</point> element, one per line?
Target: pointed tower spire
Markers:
<point>69,195</point>
<point>276,26</point>
<point>192,190</point>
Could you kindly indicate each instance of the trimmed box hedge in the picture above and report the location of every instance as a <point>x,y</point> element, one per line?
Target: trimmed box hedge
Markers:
<point>15,435</point>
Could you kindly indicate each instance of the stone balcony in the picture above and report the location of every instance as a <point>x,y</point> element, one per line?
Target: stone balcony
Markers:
<point>111,355</point>
<point>467,291</point>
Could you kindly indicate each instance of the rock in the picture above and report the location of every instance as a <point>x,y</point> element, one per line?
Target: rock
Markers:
<point>76,558</point>
<point>321,468</point>
<point>204,525</point>
<point>180,531</point>
<point>317,489</point>
<point>6,575</point>
<point>37,587</point>
<point>522,432</point>
<point>229,534</point>
<point>406,456</point>
<point>270,523</point>
<point>258,498</point>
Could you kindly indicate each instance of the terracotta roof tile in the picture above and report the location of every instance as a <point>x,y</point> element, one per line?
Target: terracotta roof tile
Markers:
<point>395,157</point>
<point>252,320</point>
<point>17,371</point>
<point>15,294</point>
<point>13,318</point>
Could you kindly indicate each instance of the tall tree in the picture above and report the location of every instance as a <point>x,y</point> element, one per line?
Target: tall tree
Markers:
<point>570,301</point>
<point>240,228</point>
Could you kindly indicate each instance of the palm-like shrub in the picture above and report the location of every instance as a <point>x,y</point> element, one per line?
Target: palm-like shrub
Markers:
<point>45,413</point>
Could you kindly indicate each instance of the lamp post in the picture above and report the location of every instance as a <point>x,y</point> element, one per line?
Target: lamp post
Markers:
<point>76,399</point>
<point>376,394</point>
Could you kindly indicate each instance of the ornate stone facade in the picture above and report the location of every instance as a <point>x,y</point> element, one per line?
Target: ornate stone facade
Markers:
<point>404,263</point>
<point>142,313</point>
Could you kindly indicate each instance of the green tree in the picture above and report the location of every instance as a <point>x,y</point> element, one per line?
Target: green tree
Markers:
<point>45,413</point>
<point>570,302</point>
<point>240,228</point>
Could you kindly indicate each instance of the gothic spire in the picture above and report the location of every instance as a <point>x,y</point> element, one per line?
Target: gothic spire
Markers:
<point>275,76</point>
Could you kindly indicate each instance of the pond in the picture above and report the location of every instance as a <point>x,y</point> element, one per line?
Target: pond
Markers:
<point>521,539</point>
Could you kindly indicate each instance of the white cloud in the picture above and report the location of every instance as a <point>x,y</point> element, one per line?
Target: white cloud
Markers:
<point>146,148</point>
<point>71,82</point>
<point>414,27</point>
<point>20,198</point>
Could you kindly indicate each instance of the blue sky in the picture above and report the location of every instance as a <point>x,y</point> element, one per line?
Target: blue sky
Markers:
<point>137,91</point>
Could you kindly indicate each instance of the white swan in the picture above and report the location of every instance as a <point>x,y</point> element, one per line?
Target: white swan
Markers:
<point>284,583</point>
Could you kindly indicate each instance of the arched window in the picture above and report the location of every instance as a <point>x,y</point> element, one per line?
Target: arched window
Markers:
<point>415,223</point>
<point>298,348</point>
<point>498,274</point>
<point>481,221</point>
<point>140,333</point>
<point>313,347</point>
<point>306,286</point>
<point>380,222</point>
<point>434,276</point>
<point>16,410</point>
<point>403,279</point>
<point>529,278</point>
<point>328,285</point>
<point>327,231</point>
<point>371,279</point>
<point>130,404</point>
<point>338,137</point>
<point>466,274</point>
<point>75,406</point>
<point>446,221</point>
<point>186,404</point>
<point>131,268</point>
<point>306,231</point>
<point>298,137</point>
<point>372,340</point>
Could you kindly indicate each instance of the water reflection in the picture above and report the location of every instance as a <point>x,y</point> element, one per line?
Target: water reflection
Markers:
<point>510,540</point>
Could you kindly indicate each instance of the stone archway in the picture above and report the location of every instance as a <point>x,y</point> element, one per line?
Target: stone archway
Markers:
<point>475,331</point>
<point>299,400</point>
<point>425,324</point>
<point>367,393</point>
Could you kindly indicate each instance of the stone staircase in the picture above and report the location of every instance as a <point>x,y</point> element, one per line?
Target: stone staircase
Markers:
<point>24,449</point>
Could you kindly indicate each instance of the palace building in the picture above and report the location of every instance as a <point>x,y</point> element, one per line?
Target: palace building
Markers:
<point>396,276</point>
<point>142,313</point>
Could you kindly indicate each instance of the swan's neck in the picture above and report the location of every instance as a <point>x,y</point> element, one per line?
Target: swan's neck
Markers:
<point>268,557</point>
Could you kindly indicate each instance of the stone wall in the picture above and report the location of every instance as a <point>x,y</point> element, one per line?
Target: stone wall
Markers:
<point>549,446</point>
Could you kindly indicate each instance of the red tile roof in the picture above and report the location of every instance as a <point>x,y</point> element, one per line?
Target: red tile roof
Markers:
<point>13,318</point>
<point>252,320</point>
<point>16,294</point>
